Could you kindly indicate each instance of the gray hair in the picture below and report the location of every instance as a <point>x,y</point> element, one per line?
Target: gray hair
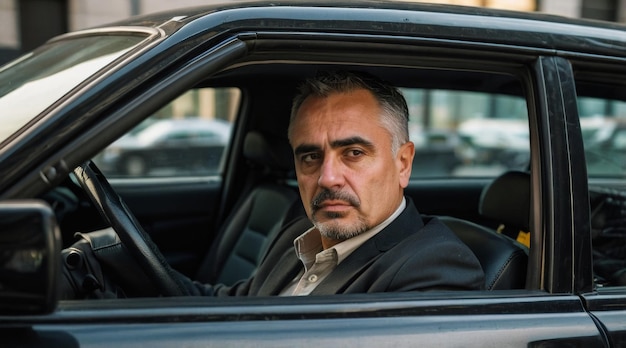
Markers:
<point>395,113</point>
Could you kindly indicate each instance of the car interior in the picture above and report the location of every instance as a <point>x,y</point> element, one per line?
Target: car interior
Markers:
<point>230,221</point>
<point>505,202</point>
<point>264,207</point>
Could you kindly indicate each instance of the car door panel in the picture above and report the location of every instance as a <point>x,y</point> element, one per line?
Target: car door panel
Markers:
<point>541,321</point>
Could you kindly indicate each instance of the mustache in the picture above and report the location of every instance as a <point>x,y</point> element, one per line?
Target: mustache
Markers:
<point>326,194</point>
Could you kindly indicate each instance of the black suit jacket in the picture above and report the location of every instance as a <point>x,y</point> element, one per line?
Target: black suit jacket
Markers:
<point>410,254</point>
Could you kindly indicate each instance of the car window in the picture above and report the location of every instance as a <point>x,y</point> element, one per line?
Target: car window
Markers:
<point>467,133</point>
<point>602,112</point>
<point>187,137</point>
<point>603,122</point>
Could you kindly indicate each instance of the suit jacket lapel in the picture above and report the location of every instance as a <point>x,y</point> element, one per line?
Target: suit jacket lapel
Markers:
<point>281,264</point>
<point>283,272</point>
<point>408,222</point>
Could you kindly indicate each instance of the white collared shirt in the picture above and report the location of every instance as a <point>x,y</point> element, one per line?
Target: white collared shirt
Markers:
<point>319,263</point>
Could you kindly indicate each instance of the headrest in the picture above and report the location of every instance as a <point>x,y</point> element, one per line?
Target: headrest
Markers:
<point>269,151</point>
<point>507,200</point>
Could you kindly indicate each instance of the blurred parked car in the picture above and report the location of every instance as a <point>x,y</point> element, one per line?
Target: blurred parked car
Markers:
<point>438,153</point>
<point>498,141</point>
<point>605,145</point>
<point>191,145</point>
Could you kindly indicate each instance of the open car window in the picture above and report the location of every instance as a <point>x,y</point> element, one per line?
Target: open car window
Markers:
<point>456,133</point>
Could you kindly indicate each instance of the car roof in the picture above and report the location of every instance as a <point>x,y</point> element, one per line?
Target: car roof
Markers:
<point>456,26</point>
<point>545,28</point>
<point>190,13</point>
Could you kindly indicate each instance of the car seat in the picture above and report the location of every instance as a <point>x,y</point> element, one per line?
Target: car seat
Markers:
<point>503,259</point>
<point>257,216</point>
<point>507,202</point>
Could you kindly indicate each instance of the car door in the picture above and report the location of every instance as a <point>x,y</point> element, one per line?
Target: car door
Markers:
<point>602,108</point>
<point>548,312</point>
<point>444,320</point>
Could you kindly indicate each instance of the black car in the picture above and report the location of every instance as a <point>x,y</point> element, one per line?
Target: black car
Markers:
<point>548,235</point>
<point>194,145</point>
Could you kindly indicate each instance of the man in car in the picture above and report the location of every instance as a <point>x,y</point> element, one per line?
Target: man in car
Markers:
<point>353,159</point>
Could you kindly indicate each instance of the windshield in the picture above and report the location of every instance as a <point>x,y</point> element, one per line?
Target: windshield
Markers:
<point>32,83</point>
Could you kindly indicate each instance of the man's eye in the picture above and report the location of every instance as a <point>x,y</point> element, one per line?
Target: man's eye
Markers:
<point>310,157</point>
<point>354,153</point>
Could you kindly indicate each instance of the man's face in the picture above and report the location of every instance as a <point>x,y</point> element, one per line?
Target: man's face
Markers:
<point>349,179</point>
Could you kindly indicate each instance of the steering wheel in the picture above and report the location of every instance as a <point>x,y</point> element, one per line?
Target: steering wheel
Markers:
<point>139,244</point>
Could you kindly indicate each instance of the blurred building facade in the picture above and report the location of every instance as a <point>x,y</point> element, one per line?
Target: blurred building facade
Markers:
<point>26,24</point>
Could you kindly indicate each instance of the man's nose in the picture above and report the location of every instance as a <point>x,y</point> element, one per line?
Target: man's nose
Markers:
<point>331,174</point>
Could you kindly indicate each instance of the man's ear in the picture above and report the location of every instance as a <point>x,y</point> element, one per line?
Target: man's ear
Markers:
<point>404,161</point>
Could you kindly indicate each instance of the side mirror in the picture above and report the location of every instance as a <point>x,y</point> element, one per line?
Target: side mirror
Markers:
<point>29,257</point>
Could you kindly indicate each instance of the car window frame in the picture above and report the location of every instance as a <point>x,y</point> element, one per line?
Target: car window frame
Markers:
<point>235,48</point>
<point>519,64</point>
